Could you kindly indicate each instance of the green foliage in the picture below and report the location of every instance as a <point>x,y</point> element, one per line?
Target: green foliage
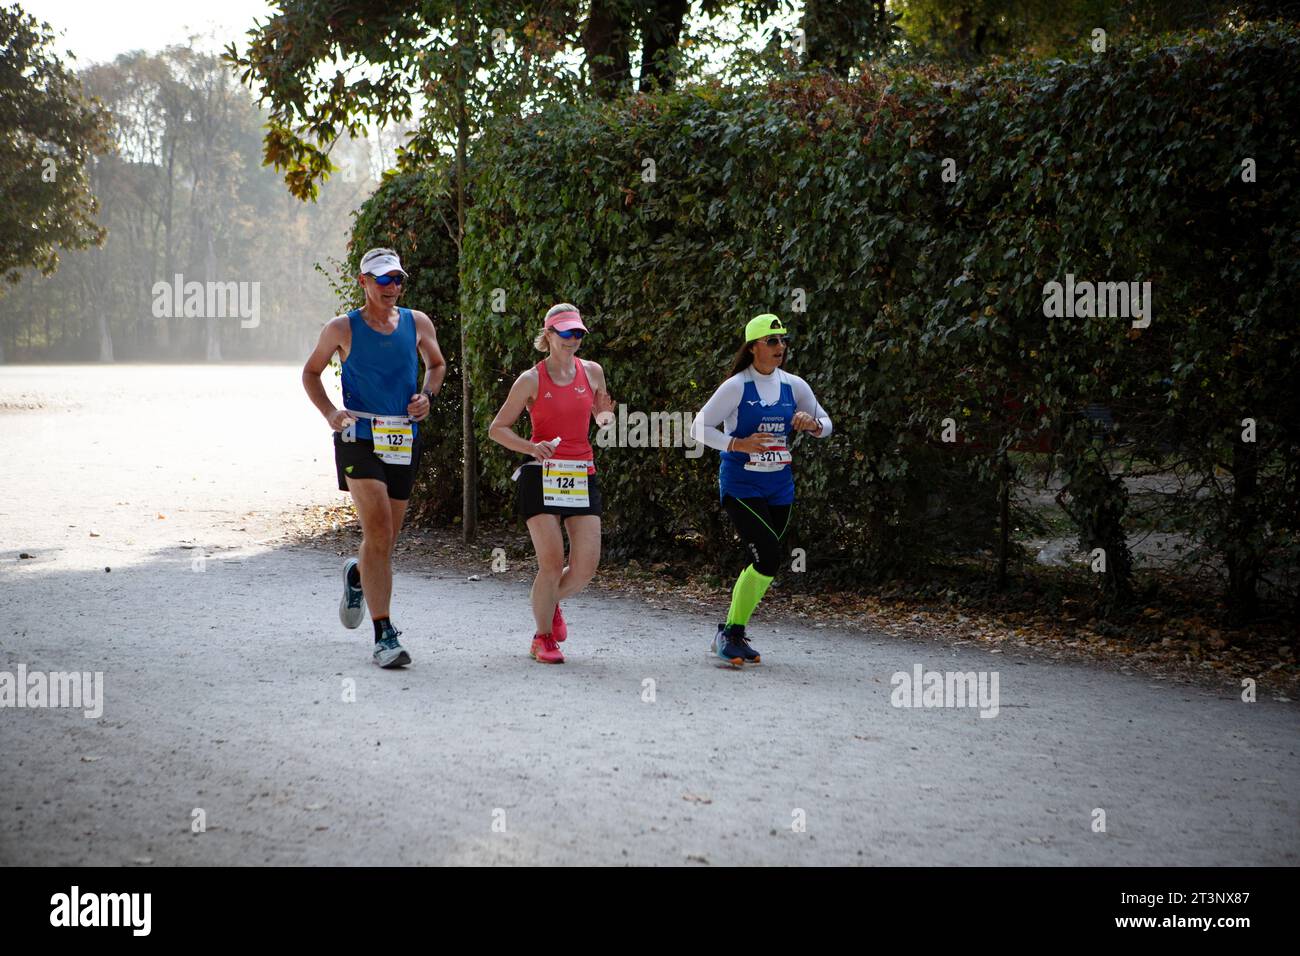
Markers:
<point>924,296</point>
<point>840,35</point>
<point>185,169</point>
<point>50,132</point>
<point>975,31</point>
<point>755,196</point>
<point>331,68</point>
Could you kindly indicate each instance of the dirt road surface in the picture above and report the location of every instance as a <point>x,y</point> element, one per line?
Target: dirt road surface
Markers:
<point>228,685</point>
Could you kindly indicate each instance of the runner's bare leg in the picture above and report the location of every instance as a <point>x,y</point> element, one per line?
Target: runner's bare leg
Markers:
<point>378,534</point>
<point>548,543</point>
<point>584,554</point>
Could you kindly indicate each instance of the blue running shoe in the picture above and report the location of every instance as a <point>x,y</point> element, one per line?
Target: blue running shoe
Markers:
<point>736,632</point>
<point>725,649</point>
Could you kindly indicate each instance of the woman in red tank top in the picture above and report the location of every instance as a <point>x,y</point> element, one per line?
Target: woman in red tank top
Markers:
<point>557,483</point>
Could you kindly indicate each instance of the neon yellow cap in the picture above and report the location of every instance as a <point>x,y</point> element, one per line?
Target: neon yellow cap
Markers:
<point>763,325</point>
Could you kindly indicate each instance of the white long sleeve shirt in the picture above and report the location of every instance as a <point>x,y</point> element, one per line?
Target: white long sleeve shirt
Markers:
<point>716,421</point>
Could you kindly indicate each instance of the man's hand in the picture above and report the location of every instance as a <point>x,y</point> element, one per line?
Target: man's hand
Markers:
<point>340,419</point>
<point>418,407</point>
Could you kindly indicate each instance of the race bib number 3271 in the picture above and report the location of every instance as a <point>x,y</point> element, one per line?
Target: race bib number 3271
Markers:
<point>774,458</point>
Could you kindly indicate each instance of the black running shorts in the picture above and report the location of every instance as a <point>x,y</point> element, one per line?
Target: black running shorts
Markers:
<point>357,459</point>
<point>528,495</point>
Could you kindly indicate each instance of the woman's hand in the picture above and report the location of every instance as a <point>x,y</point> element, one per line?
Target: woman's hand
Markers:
<point>803,422</point>
<point>603,407</point>
<point>545,449</point>
<point>755,443</point>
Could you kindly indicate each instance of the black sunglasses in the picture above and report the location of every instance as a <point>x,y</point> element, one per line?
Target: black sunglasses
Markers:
<point>774,340</point>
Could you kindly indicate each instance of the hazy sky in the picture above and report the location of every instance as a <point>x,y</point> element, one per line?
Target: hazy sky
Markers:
<point>98,30</point>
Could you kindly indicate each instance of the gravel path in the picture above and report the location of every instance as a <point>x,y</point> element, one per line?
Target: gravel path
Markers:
<point>225,673</point>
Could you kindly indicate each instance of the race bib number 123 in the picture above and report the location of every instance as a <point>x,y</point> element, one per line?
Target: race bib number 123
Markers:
<point>393,439</point>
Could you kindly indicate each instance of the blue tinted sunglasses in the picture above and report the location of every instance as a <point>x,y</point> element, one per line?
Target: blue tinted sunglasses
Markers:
<point>570,333</point>
<point>388,280</point>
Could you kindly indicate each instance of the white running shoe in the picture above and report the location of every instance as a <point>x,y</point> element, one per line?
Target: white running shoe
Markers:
<point>388,653</point>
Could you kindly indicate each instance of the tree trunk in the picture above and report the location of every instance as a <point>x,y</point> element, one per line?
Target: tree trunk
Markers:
<point>838,36</point>
<point>1004,520</point>
<point>1242,550</point>
<point>469,476</point>
<point>105,338</point>
<point>469,443</point>
<point>608,49</point>
<point>213,330</point>
<point>101,304</point>
<point>660,30</point>
<point>163,328</point>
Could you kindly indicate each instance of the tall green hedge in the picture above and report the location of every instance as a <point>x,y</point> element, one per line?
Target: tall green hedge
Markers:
<point>922,297</point>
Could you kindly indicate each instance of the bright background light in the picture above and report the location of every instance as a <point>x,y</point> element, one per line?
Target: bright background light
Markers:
<point>98,30</point>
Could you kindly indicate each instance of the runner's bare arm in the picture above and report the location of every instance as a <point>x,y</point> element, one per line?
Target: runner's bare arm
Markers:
<point>502,429</point>
<point>335,337</point>
<point>435,366</point>
<point>603,403</point>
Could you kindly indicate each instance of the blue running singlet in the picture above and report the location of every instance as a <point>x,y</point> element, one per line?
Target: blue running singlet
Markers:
<point>777,487</point>
<point>381,371</point>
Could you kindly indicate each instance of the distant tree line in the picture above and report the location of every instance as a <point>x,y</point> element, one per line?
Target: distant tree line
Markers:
<point>177,185</point>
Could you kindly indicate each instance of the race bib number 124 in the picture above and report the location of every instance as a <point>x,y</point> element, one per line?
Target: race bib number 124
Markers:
<point>564,484</point>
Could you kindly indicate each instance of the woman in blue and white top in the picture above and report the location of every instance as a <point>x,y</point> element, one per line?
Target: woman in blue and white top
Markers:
<point>751,419</point>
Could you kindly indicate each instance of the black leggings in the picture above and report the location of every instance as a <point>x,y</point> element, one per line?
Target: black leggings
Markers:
<point>762,526</point>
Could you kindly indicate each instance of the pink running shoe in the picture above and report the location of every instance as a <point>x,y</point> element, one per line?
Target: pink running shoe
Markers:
<point>559,630</point>
<point>545,650</point>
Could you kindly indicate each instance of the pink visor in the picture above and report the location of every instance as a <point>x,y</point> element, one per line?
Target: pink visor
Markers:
<point>563,321</point>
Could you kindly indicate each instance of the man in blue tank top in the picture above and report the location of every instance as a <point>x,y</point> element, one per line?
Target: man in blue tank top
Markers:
<point>377,432</point>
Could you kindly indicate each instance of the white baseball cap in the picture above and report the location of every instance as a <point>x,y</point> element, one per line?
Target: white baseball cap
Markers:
<point>380,262</point>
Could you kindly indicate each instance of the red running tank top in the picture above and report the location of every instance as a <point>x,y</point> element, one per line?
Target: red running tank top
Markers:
<point>564,410</point>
